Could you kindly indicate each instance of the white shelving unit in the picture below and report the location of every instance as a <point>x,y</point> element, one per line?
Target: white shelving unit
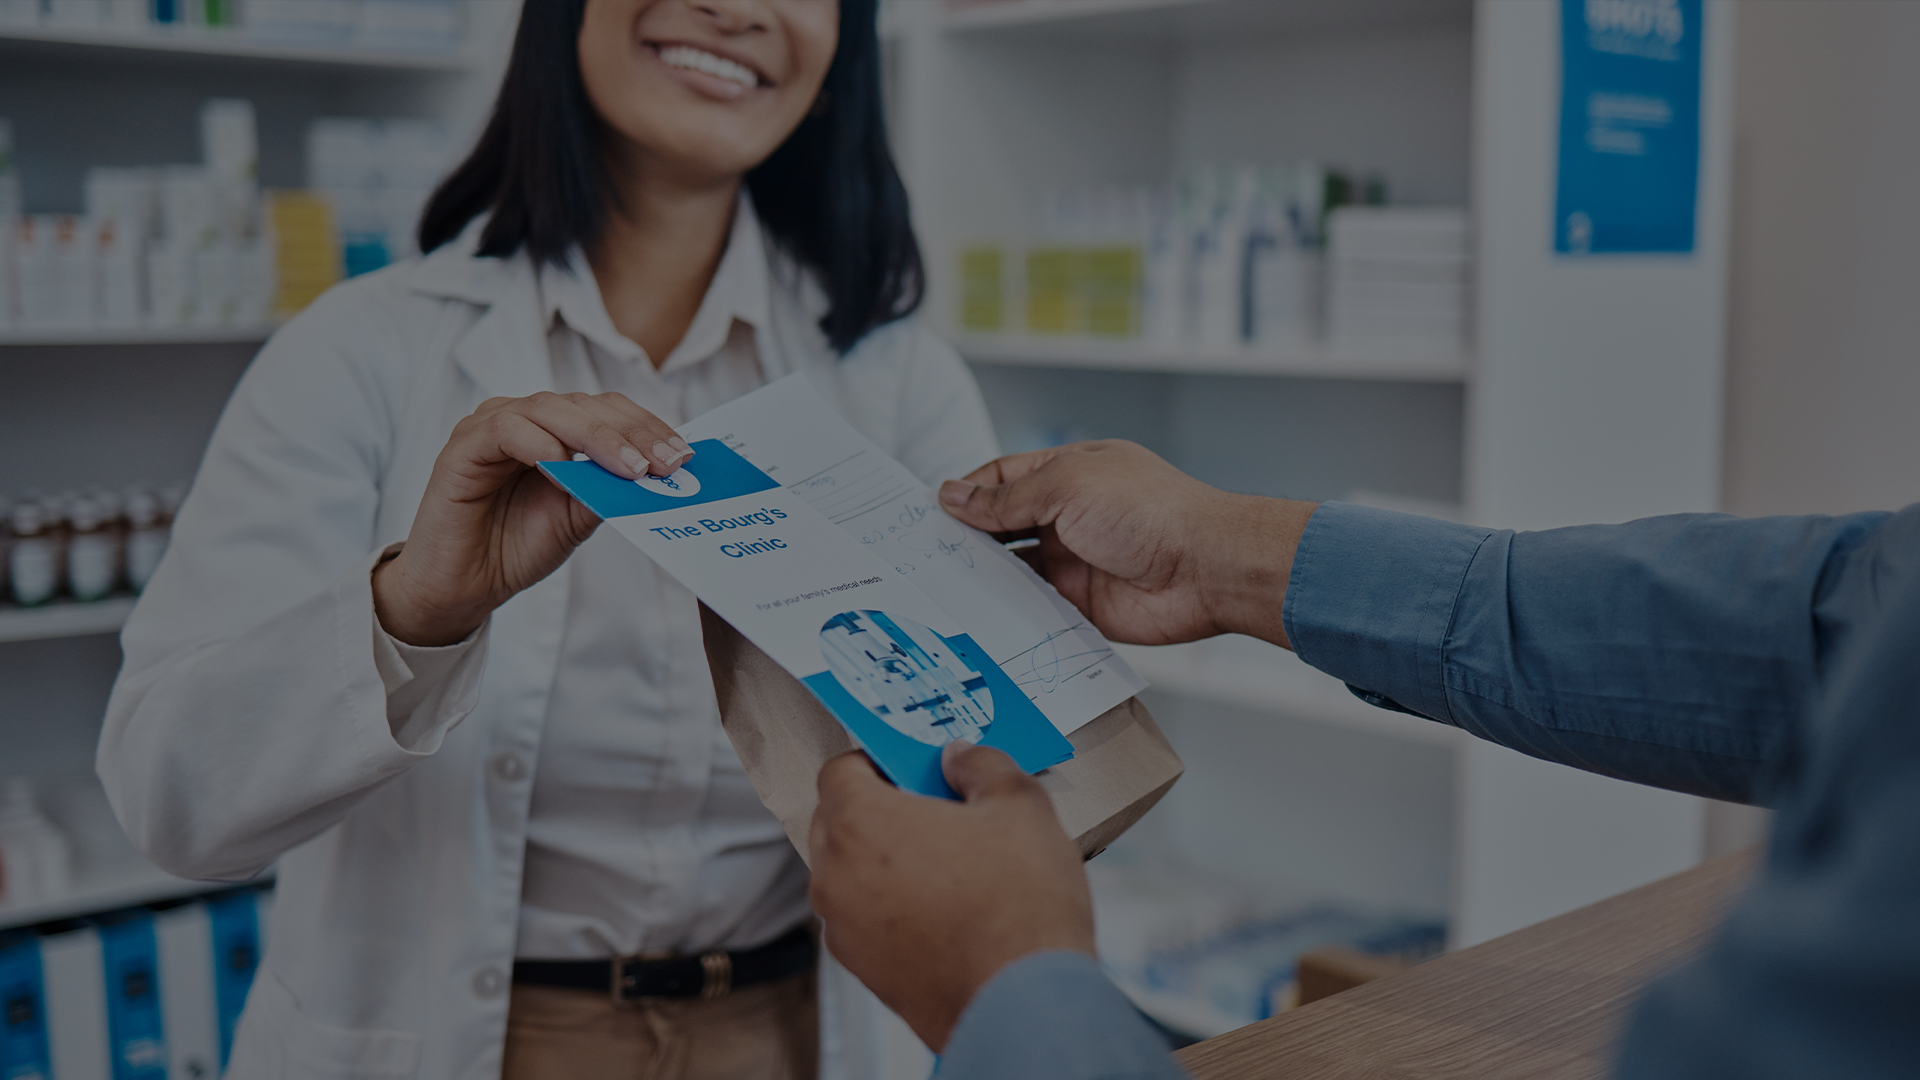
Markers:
<point>1124,355</point>
<point>109,407</point>
<point>64,618</point>
<point>998,103</point>
<point>140,335</point>
<point>218,44</point>
<point>1249,674</point>
<point>122,886</point>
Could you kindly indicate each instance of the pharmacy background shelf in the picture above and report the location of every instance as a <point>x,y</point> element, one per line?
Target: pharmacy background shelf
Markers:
<point>1250,674</point>
<point>1123,355</point>
<point>182,335</point>
<point>108,889</point>
<point>1198,20</point>
<point>204,45</point>
<point>65,618</point>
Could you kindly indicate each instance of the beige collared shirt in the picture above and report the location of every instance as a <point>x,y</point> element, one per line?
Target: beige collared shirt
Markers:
<point>645,834</point>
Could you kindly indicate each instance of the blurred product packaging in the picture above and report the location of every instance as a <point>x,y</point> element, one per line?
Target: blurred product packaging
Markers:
<point>377,174</point>
<point>1398,280</point>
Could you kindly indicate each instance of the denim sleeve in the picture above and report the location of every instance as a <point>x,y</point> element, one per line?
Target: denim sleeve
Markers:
<point>1675,651</point>
<point>1815,972</point>
<point>1055,1016</point>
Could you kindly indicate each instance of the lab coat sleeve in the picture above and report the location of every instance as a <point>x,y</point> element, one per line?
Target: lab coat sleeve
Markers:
<point>1054,1016</point>
<point>1676,651</point>
<point>250,713</point>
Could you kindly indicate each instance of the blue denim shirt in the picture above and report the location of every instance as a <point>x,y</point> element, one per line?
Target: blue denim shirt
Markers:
<point>1773,661</point>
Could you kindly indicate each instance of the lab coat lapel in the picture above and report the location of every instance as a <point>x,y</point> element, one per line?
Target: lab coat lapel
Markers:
<point>505,352</point>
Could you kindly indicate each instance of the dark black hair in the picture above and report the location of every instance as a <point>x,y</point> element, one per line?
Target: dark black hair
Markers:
<point>830,195</point>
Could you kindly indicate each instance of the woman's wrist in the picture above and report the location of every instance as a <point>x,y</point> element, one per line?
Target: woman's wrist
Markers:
<point>406,617</point>
<point>1244,579</point>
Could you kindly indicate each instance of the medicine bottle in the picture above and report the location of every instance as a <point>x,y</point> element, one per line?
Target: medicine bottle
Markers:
<point>33,569</point>
<point>39,861</point>
<point>113,515</point>
<point>91,552</point>
<point>146,537</point>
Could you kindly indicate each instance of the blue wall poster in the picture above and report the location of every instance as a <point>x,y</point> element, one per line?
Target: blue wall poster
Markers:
<point>1629,126</point>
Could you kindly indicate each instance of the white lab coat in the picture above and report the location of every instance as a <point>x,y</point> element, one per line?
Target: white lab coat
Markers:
<point>250,723</point>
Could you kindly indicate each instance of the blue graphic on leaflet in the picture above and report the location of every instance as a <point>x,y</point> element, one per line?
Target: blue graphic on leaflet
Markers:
<point>714,474</point>
<point>136,1038</point>
<point>24,1054</point>
<point>235,921</point>
<point>905,691</point>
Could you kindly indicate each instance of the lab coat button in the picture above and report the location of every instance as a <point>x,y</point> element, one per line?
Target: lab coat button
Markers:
<point>509,766</point>
<point>488,983</point>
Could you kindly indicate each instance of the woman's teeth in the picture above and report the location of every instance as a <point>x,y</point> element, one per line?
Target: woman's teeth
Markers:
<point>684,56</point>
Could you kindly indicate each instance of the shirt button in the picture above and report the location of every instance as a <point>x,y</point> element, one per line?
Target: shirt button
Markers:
<point>509,766</point>
<point>488,983</point>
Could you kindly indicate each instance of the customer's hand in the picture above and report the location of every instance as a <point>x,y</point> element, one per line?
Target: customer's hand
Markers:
<point>490,524</point>
<point>1148,553</point>
<point>925,899</point>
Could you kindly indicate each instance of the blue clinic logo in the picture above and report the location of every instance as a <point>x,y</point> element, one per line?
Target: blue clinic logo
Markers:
<point>681,485</point>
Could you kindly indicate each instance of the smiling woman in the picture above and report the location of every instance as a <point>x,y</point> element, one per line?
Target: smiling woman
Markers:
<point>598,94</point>
<point>385,654</point>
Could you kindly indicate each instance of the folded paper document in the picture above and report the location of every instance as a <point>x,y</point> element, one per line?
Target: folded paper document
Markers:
<point>844,608</point>
<point>912,629</point>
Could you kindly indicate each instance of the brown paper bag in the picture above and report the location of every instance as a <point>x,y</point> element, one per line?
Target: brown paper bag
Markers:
<point>1121,766</point>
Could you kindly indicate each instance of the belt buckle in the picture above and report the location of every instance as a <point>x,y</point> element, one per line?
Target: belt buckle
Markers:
<point>716,975</point>
<point>716,968</point>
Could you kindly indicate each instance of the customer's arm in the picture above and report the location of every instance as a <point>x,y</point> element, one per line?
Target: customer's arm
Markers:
<point>1674,651</point>
<point>972,920</point>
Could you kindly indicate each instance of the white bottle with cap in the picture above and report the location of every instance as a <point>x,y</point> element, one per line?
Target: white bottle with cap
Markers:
<point>91,554</point>
<point>35,856</point>
<point>33,566</point>
<point>146,537</point>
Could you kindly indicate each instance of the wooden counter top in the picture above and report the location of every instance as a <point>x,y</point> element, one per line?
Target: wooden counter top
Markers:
<point>1543,1003</point>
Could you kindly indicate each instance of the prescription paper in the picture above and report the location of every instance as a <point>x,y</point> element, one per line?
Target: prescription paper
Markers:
<point>823,569</point>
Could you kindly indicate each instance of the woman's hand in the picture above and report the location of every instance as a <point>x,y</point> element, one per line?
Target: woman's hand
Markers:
<point>490,524</point>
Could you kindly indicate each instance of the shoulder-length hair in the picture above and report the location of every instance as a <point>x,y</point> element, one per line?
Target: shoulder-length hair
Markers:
<point>830,195</point>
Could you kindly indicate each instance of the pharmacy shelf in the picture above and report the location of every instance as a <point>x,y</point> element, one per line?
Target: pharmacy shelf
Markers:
<point>1196,20</point>
<point>1121,355</point>
<point>233,45</point>
<point>65,618</point>
<point>109,889</point>
<point>140,335</point>
<point>1250,674</point>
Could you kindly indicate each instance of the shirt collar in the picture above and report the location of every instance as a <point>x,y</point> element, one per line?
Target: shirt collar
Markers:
<point>739,291</point>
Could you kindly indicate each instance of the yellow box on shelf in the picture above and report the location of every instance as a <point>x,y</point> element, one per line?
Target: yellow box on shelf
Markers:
<point>983,290</point>
<point>1053,275</point>
<point>1093,291</point>
<point>307,253</point>
<point>1111,281</point>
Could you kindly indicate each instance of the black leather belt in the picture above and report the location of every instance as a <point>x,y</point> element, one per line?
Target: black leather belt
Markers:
<point>709,975</point>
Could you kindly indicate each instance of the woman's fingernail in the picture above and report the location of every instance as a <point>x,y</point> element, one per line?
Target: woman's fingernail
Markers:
<point>668,457</point>
<point>679,443</point>
<point>956,492</point>
<point>634,460</point>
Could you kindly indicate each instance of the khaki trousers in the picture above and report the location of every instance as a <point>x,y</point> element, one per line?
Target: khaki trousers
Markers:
<point>766,1032</point>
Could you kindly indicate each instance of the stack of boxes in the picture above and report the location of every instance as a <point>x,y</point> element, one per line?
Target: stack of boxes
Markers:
<point>176,246</point>
<point>1398,281</point>
<point>377,176</point>
<point>134,994</point>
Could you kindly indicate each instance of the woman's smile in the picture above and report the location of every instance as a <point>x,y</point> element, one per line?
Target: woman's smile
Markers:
<point>708,70</point>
